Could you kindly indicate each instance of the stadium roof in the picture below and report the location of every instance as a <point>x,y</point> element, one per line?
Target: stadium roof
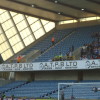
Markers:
<point>54,10</point>
<point>22,22</point>
<point>18,31</point>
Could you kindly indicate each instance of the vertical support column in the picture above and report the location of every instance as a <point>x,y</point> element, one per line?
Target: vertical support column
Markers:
<point>11,75</point>
<point>80,75</point>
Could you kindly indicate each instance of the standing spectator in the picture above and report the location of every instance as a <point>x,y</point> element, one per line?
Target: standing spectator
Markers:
<point>62,95</point>
<point>3,96</point>
<point>70,53</point>
<point>53,40</point>
<point>72,48</point>
<point>19,58</point>
<point>84,49</point>
<point>81,52</point>
<point>12,97</point>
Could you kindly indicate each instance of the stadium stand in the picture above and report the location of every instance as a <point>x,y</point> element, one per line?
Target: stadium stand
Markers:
<point>46,43</point>
<point>83,92</point>
<point>11,86</point>
<point>36,89</point>
<point>81,34</point>
<point>49,89</point>
<point>41,49</point>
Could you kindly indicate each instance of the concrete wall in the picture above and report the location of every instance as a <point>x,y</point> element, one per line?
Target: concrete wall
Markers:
<point>27,76</point>
<point>91,75</point>
<point>47,75</point>
<point>56,75</point>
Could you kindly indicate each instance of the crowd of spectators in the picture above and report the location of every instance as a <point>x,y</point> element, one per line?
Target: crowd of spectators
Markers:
<point>69,55</point>
<point>91,51</point>
<point>96,35</point>
<point>88,51</point>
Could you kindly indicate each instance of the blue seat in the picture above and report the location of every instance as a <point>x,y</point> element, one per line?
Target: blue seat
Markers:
<point>78,38</point>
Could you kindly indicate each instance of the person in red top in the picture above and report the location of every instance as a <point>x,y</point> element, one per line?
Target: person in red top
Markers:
<point>19,58</point>
<point>53,40</point>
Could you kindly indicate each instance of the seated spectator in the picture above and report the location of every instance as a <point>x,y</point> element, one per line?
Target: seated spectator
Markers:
<point>94,56</point>
<point>84,57</point>
<point>98,57</point>
<point>95,51</point>
<point>99,51</point>
<point>60,56</point>
<point>56,58</point>
<point>49,60</point>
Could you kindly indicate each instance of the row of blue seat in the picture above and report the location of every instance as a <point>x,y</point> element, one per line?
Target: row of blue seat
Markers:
<point>11,85</point>
<point>46,89</point>
<point>46,43</point>
<point>77,39</point>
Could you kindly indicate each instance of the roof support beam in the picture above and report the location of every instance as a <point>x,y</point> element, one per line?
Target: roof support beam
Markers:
<point>94,1</point>
<point>6,8</point>
<point>37,7</point>
<point>34,12</point>
<point>74,7</point>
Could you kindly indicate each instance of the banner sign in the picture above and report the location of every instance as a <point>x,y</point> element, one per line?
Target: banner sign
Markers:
<point>54,65</point>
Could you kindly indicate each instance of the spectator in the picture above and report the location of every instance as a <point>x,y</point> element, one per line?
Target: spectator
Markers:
<point>50,60</point>
<point>3,96</point>
<point>84,57</point>
<point>84,49</point>
<point>60,56</point>
<point>99,50</point>
<point>95,51</point>
<point>91,51</point>
<point>81,52</point>
<point>70,54</point>
<point>19,58</point>
<point>53,40</point>
<point>62,95</point>
<point>12,97</point>
<point>72,49</point>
